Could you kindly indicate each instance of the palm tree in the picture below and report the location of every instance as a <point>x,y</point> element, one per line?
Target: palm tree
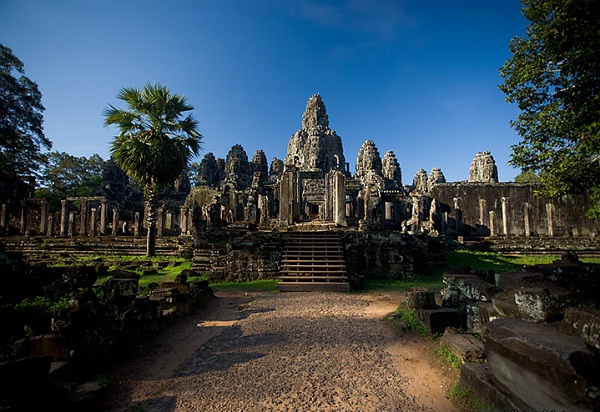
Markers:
<point>155,142</point>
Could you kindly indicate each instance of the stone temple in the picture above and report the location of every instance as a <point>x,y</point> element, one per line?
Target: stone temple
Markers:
<point>237,221</point>
<point>313,187</point>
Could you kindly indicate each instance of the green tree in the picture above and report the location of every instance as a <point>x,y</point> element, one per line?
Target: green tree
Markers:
<point>155,143</point>
<point>21,116</point>
<point>65,176</point>
<point>554,77</point>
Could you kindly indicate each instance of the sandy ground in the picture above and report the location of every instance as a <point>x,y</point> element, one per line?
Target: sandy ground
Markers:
<point>307,351</point>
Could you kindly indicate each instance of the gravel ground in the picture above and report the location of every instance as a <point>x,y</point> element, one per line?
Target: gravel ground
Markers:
<point>317,351</point>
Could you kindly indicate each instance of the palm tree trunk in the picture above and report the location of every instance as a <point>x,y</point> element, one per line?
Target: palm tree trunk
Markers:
<point>151,203</point>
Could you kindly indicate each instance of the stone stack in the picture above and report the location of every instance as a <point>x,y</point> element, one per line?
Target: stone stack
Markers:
<point>540,339</point>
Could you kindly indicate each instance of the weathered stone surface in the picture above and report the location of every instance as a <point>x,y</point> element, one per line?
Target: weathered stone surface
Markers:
<point>437,320</point>
<point>583,322</point>
<point>507,280</point>
<point>542,367</point>
<point>238,172</point>
<point>420,182</point>
<point>471,286</point>
<point>121,290</point>
<point>315,147</point>
<point>453,298</point>
<point>477,377</point>
<point>479,314</point>
<point>436,176</point>
<point>53,345</point>
<point>543,303</point>
<point>483,168</point>
<point>391,171</point>
<point>420,299</point>
<point>465,346</point>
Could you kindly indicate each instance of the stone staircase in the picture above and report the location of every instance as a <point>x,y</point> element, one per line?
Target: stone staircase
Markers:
<point>313,261</point>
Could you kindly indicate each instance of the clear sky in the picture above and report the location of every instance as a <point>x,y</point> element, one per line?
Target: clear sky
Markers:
<point>418,77</point>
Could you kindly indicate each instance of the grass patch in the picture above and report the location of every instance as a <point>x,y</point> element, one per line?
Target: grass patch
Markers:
<point>431,281</point>
<point>446,356</point>
<point>267,285</point>
<point>462,396</point>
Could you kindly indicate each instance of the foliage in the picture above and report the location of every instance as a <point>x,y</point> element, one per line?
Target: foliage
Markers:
<point>155,144</point>
<point>554,77</point>
<point>65,176</point>
<point>119,187</point>
<point>21,116</point>
<point>408,319</point>
<point>446,356</point>
<point>528,176</point>
<point>462,396</point>
<point>42,303</point>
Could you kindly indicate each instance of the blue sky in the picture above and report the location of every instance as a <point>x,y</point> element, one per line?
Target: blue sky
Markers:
<point>418,77</point>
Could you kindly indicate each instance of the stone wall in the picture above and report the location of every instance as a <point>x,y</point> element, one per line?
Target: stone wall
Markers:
<point>510,209</point>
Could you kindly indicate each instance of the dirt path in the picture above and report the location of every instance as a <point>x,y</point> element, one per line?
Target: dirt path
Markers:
<point>286,352</point>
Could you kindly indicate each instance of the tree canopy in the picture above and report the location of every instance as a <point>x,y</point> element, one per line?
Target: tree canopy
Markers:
<point>65,176</point>
<point>155,142</point>
<point>554,78</point>
<point>21,116</point>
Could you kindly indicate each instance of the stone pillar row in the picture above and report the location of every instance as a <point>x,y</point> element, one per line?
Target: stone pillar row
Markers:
<point>93,221</point>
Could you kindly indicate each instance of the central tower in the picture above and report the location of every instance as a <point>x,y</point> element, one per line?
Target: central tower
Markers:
<point>315,147</point>
<point>312,185</point>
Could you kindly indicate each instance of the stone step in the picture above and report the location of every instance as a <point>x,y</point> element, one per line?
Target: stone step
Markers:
<point>313,287</point>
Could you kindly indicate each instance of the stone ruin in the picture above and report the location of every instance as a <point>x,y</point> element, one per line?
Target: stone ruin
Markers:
<point>528,340</point>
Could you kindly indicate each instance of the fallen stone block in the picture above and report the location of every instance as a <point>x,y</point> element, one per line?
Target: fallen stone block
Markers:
<point>515,280</point>
<point>544,304</point>
<point>437,320</point>
<point>583,322</point>
<point>453,298</point>
<point>52,345</point>
<point>473,287</point>
<point>542,367</point>
<point>465,346</point>
<point>479,314</point>
<point>477,377</point>
<point>420,299</point>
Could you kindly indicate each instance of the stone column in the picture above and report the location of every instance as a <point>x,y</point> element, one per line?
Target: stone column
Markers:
<point>137,224</point>
<point>389,211</point>
<point>492,217</point>
<point>83,217</point>
<point>103,217</point>
<point>183,220</point>
<point>168,222</point>
<point>482,212</point>
<point>160,221</point>
<point>458,216</point>
<point>44,217</point>
<point>505,215</point>
<point>93,221</point>
<point>50,228</point>
<point>3,218</point>
<point>24,217</point>
<point>526,219</point>
<point>72,217</point>
<point>115,222</point>
<point>550,213</point>
<point>263,209</point>
<point>285,198</point>
<point>64,218</point>
<point>339,198</point>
